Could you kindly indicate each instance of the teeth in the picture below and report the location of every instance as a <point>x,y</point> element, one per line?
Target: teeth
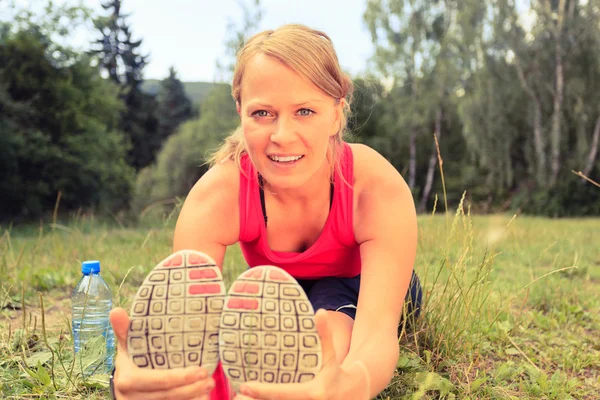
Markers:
<point>285,159</point>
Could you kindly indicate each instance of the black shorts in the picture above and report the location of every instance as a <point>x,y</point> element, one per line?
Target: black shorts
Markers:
<point>341,294</point>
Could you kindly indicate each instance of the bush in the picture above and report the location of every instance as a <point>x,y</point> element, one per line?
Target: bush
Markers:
<point>572,197</point>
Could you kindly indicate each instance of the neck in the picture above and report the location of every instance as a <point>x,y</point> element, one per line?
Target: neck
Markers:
<point>316,187</point>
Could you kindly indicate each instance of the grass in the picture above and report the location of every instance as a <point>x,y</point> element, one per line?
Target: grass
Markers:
<point>512,304</point>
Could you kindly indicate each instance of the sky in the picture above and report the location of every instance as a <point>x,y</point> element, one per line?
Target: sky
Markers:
<point>190,34</point>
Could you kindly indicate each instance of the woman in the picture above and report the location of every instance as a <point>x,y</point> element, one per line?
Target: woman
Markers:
<point>338,217</point>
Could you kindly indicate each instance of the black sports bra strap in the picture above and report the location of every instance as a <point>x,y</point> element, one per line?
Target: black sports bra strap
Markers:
<point>262,196</point>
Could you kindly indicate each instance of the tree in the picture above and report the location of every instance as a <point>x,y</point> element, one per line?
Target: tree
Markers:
<point>118,55</point>
<point>237,37</point>
<point>397,29</point>
<point>530,107</point>
<point>367,121</point>
<point>418,48</point>
<point>182,159</point>
<point>174,107</point>
<point>58,129</point>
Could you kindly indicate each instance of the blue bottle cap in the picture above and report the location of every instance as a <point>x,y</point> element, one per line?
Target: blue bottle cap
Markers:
<point>88,267</point>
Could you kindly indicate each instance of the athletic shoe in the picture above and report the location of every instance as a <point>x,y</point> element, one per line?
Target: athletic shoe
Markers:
<point>176,312</point>
<point>267,330</point>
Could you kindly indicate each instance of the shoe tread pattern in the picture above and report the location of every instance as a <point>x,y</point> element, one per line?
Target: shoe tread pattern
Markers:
<point>175,315</point>
<point>267,330</point>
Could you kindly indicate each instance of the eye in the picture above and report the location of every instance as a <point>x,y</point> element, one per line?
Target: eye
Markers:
<point>261,113</point>
<point>305,112</point>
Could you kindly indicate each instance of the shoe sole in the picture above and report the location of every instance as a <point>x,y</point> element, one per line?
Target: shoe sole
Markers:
<point>267,330</point>
<point>175,315</point>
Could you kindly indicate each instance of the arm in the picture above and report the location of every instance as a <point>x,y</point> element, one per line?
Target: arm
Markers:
<point>209,221</point>
<point>386,229</point>
<point>206,224</point>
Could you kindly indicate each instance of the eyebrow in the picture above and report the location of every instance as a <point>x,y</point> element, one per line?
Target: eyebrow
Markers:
<point>260,104</point>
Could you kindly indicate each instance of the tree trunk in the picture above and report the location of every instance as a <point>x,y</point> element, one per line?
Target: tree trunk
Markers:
<point>538,138</point>
<point>432,161</point>
<point>556,117</point>
<point>539,142</point>
<point>589,166</point>
<point>412,162</point>
<point>558,95</point>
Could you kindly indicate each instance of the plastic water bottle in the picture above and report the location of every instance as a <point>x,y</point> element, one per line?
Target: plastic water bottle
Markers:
<point>91,302</point>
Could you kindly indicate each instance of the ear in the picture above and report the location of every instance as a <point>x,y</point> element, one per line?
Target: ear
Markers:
<point>237,107</point>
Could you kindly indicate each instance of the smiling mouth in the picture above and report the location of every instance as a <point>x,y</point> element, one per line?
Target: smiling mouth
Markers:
<point>285,159</point>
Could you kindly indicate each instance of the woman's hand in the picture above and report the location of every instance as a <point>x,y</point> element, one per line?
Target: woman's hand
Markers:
<point>133,383</point>
<point>334,381</point>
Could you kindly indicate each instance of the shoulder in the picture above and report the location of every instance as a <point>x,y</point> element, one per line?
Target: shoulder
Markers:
<point>382,196</point>
<point>211,208</point>
<point>221,180</point>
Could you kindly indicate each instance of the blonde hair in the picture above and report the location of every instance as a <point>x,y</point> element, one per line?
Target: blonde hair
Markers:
<point>308,52</point>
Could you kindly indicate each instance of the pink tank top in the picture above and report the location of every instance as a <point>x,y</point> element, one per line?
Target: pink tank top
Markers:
<point>335,253</point>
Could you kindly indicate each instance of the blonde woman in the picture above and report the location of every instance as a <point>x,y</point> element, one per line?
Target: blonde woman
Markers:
<point>336,216</point>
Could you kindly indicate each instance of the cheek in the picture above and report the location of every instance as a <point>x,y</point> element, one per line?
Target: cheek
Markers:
<point>325,133</point>
<point>328,125</point>
<point>252,133</point>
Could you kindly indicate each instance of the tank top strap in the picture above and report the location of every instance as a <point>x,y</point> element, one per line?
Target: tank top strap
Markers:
<point>250,217</point>
<point>344,196</point>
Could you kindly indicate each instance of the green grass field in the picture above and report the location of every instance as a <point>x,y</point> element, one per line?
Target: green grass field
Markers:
<point>512,305</point>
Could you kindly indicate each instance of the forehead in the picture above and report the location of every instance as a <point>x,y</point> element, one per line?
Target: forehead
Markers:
<point>266,79</point>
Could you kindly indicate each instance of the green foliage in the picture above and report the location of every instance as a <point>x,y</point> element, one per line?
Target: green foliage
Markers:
<point>571,197</point>
<point>369,121</point>
<point>181,161</point>
<point>174,107</point>
<point>118,55</point>
<point>116,50</point>
<point>195,91</point>
<point>59,130</point>
<point>141,126</point>
<point>495,80</point>
<point>496,133</point>
<point>237,36</point>
<point>419,48</point>
<point>477,64</point>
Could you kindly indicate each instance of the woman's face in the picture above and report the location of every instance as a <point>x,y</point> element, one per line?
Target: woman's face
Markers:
<point>287,122</point>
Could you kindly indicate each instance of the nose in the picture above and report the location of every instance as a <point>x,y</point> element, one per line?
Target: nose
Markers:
<point>284,132</point>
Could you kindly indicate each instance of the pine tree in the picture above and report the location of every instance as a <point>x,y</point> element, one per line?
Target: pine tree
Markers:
<point>120,57</point>
<point>174,107</point>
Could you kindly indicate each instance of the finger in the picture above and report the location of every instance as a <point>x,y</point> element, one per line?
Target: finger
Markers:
<point>324,330</point>
<point>152,380</point>
<point>120,323</point>
<point>242,397</point>
<point>187,392</point>
<point>135,379</point>
<point>273,391</point>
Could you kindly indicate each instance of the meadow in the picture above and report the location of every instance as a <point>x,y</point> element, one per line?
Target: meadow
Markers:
<point>512,304</point>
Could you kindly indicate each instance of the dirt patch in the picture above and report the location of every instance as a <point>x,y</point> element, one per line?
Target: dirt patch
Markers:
<point>57,315</point>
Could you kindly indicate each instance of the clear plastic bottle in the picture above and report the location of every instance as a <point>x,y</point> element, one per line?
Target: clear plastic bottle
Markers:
<point>91,303</point>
